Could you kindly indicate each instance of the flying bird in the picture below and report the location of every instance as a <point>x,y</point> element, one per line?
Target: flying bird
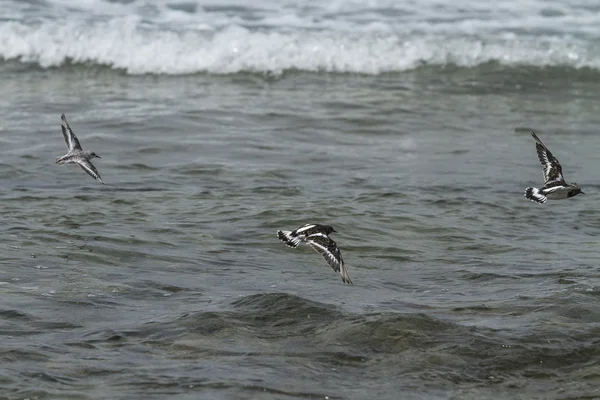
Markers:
<point>555,187</point>
<point>75,153</point>
<point>317,237</point>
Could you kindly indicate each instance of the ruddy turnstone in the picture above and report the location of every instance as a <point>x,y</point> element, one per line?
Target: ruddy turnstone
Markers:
<point>555,187</point>
<point>317,237</point>
<point>75,153</point>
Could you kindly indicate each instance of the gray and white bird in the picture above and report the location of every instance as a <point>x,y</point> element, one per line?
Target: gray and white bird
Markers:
<point>317,237</point>
<point>75,153</point>
<point>555,187</point>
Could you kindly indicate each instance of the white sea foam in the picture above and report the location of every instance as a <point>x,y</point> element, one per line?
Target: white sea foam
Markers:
<point>355,36</point>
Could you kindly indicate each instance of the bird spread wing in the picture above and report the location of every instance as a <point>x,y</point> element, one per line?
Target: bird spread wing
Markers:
<point>325,246</point>
<point>88,167</point>
<point>550,165</point>
<point>293,238</point>
<point>70,138</point>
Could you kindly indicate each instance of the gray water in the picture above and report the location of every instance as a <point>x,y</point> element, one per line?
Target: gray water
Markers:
<point>169,281</point>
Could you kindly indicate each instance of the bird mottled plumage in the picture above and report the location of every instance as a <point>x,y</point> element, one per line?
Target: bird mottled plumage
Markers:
<point>555,187</point>
<point>75,153</point>
<point>317,237</point>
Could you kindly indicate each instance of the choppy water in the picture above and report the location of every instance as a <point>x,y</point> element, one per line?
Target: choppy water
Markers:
<point>169,281</point>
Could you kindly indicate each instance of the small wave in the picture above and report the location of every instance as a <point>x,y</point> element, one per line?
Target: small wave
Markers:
<point>282,301</point>
<point>14,314</point>
<point>125,43</point>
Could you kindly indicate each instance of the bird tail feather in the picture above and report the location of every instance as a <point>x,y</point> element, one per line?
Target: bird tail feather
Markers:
<point>287,238</point>
<point>535,195</point>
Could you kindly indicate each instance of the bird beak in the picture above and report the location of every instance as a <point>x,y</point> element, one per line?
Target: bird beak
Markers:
<point>97,156</point>
<point>581,192</point>
<point>334,230</point>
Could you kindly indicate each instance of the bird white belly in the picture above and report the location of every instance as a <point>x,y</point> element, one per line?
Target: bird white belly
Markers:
<point>558,194</point>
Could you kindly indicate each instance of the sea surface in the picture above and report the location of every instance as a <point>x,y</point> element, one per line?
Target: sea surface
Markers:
<point>403,124</point>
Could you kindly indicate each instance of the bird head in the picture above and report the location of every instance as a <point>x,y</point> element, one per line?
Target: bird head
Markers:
<point>575,190</point>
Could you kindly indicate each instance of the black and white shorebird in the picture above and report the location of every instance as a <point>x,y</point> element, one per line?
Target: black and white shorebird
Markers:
<point>317,237</point>
<point>555,187</point>
<point>75,153</point>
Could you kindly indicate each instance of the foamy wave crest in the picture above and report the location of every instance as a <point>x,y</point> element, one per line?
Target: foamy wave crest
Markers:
<point>126,43</point>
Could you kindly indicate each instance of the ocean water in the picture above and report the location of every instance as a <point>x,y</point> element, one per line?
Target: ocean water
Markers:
<point>404,125</point>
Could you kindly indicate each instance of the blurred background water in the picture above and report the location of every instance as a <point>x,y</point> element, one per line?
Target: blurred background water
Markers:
<point>405,125</point>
